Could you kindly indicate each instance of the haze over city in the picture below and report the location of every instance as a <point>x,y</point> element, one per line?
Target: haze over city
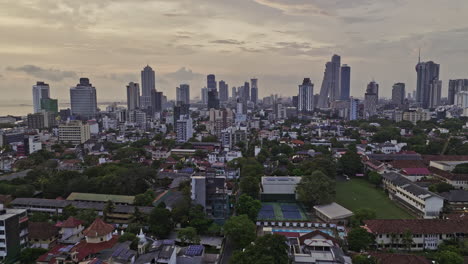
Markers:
<point>277,41</point>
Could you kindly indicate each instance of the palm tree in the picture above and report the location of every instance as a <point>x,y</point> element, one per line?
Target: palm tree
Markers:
<point>407,240</point>
<point>108,209</point>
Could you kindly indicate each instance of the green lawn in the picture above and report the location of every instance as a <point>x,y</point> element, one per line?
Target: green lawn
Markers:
<point>357,193</point>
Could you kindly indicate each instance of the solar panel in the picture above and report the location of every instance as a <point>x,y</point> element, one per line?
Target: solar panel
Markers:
<point>194,250</point>
<point>168,242</point>
<point>117,252</point>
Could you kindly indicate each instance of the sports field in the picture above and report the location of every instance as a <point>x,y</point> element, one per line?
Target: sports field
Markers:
<point>358,193</point>
<point>281,212</point>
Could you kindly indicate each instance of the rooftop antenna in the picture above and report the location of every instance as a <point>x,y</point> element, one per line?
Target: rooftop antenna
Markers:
<point>419,57</point>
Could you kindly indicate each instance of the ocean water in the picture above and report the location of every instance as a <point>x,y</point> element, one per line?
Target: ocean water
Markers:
<point>23,108</point>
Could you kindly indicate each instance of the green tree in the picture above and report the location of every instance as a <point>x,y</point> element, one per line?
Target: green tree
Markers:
<point>316,189</point>
<point>362,214</point>
<point>87,216</point>
<point>267,249</point>
<point>441,187</point>
<point>39,217</point>
<point>359,239</point>
<point>248,206</point>
<point>145,199</point>
<point>160,222</point>
<point>407,240</point>
<point>240,229</point>
<point>350,163</point>
<point>188,235</point>
<point>68,211</point>
<point>375,178</point>
<point>461,169</point>
<point>29,255</point>
<point>127,236</point>
<point>250,185</point>
<point>448,257</point>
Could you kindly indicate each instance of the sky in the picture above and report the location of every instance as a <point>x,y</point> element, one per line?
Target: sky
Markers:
<point>277,41</point>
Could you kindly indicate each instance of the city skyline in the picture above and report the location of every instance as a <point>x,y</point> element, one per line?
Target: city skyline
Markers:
<point>81,40</point>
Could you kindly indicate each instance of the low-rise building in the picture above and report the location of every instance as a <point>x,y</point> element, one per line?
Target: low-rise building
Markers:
<point>333,213</point>
<point>74,132</point>
<point>42,235</point>
<point>421,202</point>
<point>279,188</point>
<point>425,233</point>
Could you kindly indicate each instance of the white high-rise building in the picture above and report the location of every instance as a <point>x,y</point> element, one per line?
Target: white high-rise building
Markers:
<point>184,128</point>
<point>83,99</point>
<point>40,91</point>
<point>353,108</point>
<point>306,96</point>
<point>183,94</point>
<point>148,84</point>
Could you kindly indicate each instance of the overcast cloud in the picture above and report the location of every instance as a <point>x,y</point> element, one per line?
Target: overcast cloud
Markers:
<point>278,41</point>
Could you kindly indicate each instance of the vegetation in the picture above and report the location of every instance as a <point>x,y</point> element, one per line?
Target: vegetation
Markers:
<point>241,230</point>
<point>316,189</point>
<point>188,235</point>
<point>248,206</point>
<point>359,239</point>
<point>267,249</point>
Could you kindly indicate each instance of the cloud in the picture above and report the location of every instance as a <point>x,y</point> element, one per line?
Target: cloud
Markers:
<point>48,74</point>
<point>184,74</point>
<point>298,8</point>
<point>228,42</point>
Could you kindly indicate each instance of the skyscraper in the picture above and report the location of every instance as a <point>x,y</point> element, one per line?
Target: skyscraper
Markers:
<point>371,99</point>
<point>40,91</point>
<point>246,92</point>
<point>157,101</point>
<point>148,83</point>
<point>330,90</point>
<point>353,108</point>
<point>435,93</point>
<point>83,99</point>
<point>345,82</point>
<point>183,94</point>
<point>306,96</point>
<point>456,86</point>
<point>133,96</point>
<point>234,92</point>
<point>254,90</point>
<point>204,95</point>
<point>427,73</point>
<point>213,97</point>
<point>398,94</point>
<point>223,91</point>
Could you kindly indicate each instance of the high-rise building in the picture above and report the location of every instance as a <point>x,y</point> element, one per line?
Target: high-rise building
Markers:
<point>345,88</point>
<point>254,90</point>
<point>148,83</point>
<point>211,82</point>
<point>14,232</point>
<point>213,97</point>
<point>157,101</point>
<point>330,90</point>
<point>83,99</point>
<point>220,120</point>
<point>234,92</point>
<point>435,93</point>
<point>246,92</point>
<point>184,128</point>
<point>427,73</point>
<point>183,94</point>
<point>456,86</point>
<point>398,94</point>
<point>306,96</point>
<point>204,95</point>
<point>180,110</point>
<point>223,91</point>
<point>353,108</point>
<point>133,96</point>
<point>371,100</point>
<point>40,91</point>
<point>74,132</point>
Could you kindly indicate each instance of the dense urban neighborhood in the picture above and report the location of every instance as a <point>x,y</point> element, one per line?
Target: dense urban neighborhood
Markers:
<point>233,178</point>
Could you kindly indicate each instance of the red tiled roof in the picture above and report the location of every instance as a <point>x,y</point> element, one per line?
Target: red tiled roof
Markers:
<point>416,171</point>
<point>71,222</point>
<point>428,158</point>
<point>85,249</point>
<point>388,258</point>
<point>42,230</point>
<point>416,226</point>
<point>98,228</point>
<point>448,175</point>
<point>400,164</point>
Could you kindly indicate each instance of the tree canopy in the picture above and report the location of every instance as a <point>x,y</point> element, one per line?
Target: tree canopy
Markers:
<point>316,189</point>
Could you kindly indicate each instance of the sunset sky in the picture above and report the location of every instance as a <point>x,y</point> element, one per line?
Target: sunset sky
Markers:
<point>278,41</point>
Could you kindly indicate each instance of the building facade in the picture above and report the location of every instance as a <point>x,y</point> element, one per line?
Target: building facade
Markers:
<point>148,84</point>
<point>133,96</point>
<point>427,73</point>
<point>398,94</point>
<point>306,96</point>
<point>40,91</point>
<point>74,132</point>
<point>83,99</point>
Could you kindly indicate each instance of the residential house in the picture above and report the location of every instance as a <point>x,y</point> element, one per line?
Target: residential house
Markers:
<point>71,230</point>
<point>42,234</point>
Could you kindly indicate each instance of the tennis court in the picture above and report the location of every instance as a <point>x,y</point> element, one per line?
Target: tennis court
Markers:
<point>281,212</point>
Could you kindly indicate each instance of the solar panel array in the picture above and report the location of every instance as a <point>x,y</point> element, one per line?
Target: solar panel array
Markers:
<point>194,250</point>
<point>266,212</point>
<point>290,212</point>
